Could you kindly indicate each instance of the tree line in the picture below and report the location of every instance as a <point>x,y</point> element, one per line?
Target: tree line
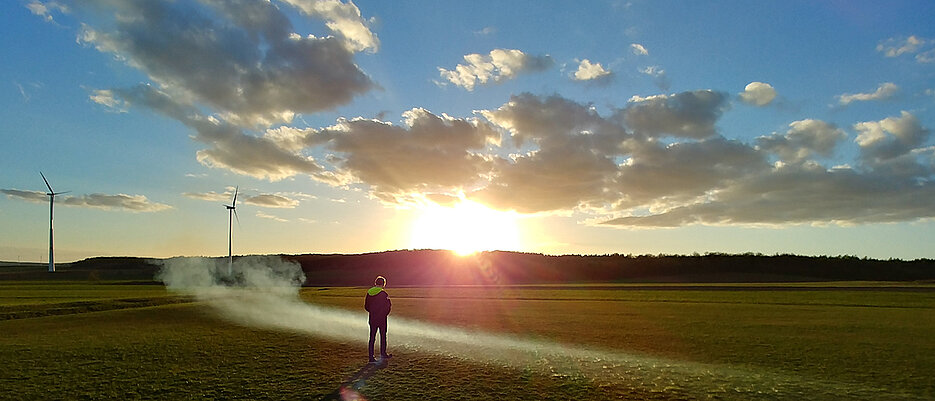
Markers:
<point>436,267</point>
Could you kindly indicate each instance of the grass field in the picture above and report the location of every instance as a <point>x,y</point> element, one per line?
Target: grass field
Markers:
<point>77,340</point>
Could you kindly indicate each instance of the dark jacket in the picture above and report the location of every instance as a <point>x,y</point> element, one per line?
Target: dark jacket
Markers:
<point>378,304</point>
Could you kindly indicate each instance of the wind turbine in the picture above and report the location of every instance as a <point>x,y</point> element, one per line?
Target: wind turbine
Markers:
<point>231,214</point>
<point>51,194</point>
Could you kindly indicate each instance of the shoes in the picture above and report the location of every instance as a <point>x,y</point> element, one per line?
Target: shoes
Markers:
<point>373,360</point>
<point>387,356</point>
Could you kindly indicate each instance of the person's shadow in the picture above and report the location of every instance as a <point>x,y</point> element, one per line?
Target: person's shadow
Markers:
<point>348,390</point>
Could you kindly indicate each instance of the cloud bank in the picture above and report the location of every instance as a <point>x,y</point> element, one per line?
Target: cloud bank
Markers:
<point>660,161</point>
<point>235,72</point>
<point>279,201</point>
<point>131,203</point>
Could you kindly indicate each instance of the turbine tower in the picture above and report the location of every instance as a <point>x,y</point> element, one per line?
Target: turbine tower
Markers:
<point>231,214</point>
<point>51,194</point>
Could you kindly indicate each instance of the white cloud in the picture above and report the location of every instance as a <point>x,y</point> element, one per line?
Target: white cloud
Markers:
<point>638,49</point>
<point>923,48</point>
<point>279,201</point>
<point>271,201</point>
<point>223,71</point>
<point>653,71</point>
<point>573,161</point>
<point>804,140</point>
<point>657,162</point>
<point>885,91</point>
<point>499,65</point>
<point>895,47</point>
<point>659,76</point>
<point>926,57</point>
<point>429,153</point>
<point>588,71</point>
<point>249,155</point>
<point>229,146</point>
<point>131,203</point>
<point>800,194</point>
<point>581,160</point>
<point>892,185</point>
<point>758,94</point>
<point>686,114</point>
<point>242,61</point>
<point>44,10</point>
<point>106,98</point>
<point>343,19</point>
<point>263,215</point>
<point>487,31</point>
<point>890,138</point>
<point>31,196</point>
<point>210,196</point>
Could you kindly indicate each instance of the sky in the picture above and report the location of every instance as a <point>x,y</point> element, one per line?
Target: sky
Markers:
<point>600,127</point>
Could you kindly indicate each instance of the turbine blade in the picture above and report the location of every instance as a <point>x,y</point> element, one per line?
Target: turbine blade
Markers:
<point>234,202</point>
<point>59,193</point>
<point>237,217</point>
<point>46,182</point>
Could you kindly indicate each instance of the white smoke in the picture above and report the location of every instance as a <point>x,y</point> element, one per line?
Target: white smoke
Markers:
<point>263,292</point>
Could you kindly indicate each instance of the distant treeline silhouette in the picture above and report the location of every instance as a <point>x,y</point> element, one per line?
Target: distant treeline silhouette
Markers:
<point>435,267</point>
<point>431,267</point>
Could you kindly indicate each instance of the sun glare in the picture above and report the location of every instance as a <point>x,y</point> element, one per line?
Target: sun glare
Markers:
<point>465,228</point>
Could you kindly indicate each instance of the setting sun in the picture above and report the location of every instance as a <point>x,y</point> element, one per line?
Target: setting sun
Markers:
<point>465,228</point>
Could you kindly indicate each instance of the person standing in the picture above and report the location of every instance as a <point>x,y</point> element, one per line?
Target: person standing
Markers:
<point>379,305</point>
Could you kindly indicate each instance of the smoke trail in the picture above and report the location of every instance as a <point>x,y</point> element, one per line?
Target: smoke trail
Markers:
<point>263,292</point>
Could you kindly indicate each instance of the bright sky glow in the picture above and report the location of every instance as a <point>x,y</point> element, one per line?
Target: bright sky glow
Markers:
<point>639,126</point>
<point>465,228</point>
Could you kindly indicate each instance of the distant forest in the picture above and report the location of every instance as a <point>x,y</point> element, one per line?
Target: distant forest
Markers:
<point>431,267</point>
<point>428,267</point>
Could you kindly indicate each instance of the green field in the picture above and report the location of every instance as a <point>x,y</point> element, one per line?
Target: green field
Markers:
<point>80,340</point>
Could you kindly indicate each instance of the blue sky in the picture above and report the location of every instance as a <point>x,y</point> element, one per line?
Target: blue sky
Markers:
<point>601,127</point>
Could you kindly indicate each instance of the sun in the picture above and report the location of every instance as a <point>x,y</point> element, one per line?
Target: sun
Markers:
<point>465,228</point>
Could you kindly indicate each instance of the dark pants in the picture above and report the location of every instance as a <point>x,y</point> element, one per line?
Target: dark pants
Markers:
<point>381,325</point>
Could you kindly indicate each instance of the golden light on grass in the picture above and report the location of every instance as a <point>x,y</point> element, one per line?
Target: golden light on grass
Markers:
<point>465,228</point>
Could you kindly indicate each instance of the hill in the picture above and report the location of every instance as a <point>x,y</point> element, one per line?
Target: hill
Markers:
<point>91,269</point>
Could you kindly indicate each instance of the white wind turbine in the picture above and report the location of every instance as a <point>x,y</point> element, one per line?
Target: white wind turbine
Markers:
<point>231,214</point>
<point>51,195</point>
